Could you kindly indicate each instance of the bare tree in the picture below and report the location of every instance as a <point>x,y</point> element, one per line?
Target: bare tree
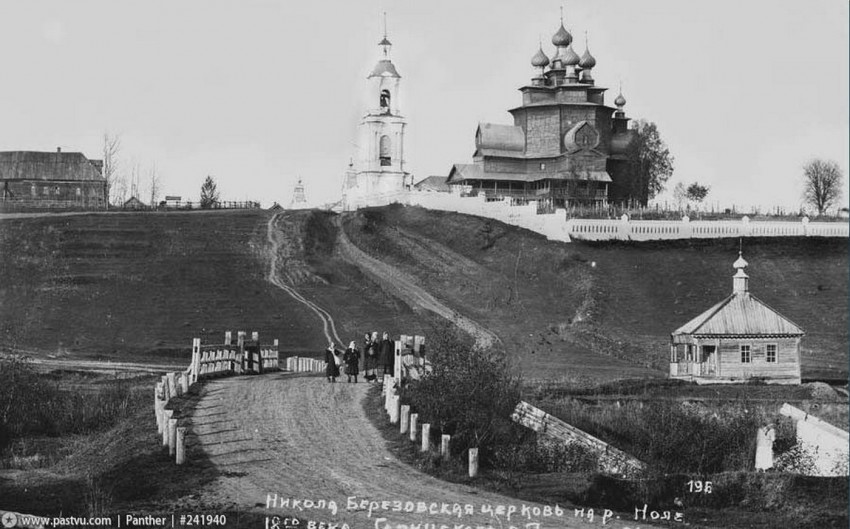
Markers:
<point>111,149</point>
<point>822,181</point>
<point>154,184</point>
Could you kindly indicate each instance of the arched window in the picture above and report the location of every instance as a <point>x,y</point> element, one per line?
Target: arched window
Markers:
<point>385,151</point>
<point>385,100</point>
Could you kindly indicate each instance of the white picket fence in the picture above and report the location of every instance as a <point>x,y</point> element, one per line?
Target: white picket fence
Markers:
<point>243,357</point>
<point>556,226</point>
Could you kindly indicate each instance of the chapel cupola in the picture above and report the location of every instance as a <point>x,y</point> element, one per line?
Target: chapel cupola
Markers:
<point>740,281</point>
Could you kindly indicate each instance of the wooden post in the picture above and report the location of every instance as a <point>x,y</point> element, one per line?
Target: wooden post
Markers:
<point>385,385</point>
<point>156,406</point>
<point>426,437</point>
<point>172,436</point>
<point>473,462</point>
<point>196,359</point>
<point>395,402</point>
<point>184,382</point>
<point>414,420</point>
<point>276,355</point>
<point>166,417</point>
<point>444,447</point>
<point>405,419</point>
<point>240,355</point>
<point>180,450</point>
<point>172,384</point>
<point>255,336</point>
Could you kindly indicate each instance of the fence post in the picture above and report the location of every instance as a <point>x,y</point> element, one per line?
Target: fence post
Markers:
<point>414,420</point>
<point>157,406</point>
<point>172,385</point>
<point>196,359</point>
<point>172,436</point>
<point>444,447</point>
<point>228,338</point>
<point>426,437</point>
<point>184,382</point>
<point>395,402</point>
<point>276,355</point>
<point>166,416</point>
<point>473,462</point>
<point>180,449</point>
<point>405,419</point>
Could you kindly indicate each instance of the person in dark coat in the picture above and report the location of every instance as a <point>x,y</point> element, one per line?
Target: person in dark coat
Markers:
<point>370,351</point>
<point>351,357</point>
<point>332,361</point>
<point>387,354</point>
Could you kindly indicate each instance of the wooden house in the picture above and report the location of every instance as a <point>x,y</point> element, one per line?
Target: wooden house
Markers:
<point>738,339</point>
<point>31,180</point>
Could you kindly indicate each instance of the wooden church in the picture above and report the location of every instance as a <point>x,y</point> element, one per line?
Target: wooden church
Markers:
<point>739,339</point>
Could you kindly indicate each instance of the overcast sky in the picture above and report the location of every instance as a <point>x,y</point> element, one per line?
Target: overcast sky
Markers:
<point>259,93</point>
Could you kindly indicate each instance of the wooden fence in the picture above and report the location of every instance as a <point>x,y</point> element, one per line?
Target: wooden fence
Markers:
<point>611,460</point>
<point>230,358</point>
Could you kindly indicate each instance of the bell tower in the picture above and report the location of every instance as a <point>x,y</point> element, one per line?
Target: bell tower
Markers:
<point>379,168</point>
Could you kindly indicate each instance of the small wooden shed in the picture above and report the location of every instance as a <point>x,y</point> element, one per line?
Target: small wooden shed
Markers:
<point>738,339</point>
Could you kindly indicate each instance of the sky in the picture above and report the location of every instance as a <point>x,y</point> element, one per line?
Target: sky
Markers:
<point>260,93</point>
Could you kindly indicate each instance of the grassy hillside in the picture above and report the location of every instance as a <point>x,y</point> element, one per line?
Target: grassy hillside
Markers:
<point>559,305</point>
<point>143,285</point>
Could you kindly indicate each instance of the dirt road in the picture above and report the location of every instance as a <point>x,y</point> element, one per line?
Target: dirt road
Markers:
<point>404,287</point>
<point>300,438</point>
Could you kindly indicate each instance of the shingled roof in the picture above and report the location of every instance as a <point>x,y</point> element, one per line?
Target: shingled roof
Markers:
<point>34,165</point>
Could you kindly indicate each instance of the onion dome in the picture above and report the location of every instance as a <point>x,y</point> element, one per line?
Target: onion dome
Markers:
<point>562,37</point>
<point>570,57</point>
<point>587,60</point>
<point>620,101</point>
<point>740,262</point>
<point>540,60</point>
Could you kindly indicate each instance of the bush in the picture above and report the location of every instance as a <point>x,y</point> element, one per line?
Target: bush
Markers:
<point>470,394</point>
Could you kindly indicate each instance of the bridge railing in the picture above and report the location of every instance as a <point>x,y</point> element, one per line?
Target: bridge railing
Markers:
<point>230,358</point>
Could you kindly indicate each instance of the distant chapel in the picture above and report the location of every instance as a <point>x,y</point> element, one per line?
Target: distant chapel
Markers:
<point>565,146</point>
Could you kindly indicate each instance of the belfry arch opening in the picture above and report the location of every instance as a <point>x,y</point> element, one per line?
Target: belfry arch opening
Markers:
<point>385,151</point>
<point>385,100</point>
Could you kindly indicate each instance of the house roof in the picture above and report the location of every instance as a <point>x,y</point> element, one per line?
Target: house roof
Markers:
<point>433,183</point>
<point>34,165</point>
<point>134,201</point>
<point>740,314</point>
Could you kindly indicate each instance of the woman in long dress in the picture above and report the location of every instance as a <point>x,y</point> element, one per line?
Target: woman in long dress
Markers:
<point>370,351</point>
<point>331,363</point>
<point>387,354</point>
<point>351,357</point>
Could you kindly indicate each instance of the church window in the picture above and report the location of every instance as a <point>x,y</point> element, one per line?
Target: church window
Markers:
<point>385,100</point>
<point>543,167</point>
<point>771,352</point>
<point>79,192</point>
<point>385,151</point>
<point>33,191</point>
<point>45,190</point>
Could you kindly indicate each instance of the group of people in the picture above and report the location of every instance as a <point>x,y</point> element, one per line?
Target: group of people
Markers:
<point>376,354</point>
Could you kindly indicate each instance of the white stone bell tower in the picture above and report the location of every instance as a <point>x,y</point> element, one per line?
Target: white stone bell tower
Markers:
<point>379,175</point>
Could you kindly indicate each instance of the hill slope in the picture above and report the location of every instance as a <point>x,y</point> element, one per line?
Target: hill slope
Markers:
<point>558,305</point>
